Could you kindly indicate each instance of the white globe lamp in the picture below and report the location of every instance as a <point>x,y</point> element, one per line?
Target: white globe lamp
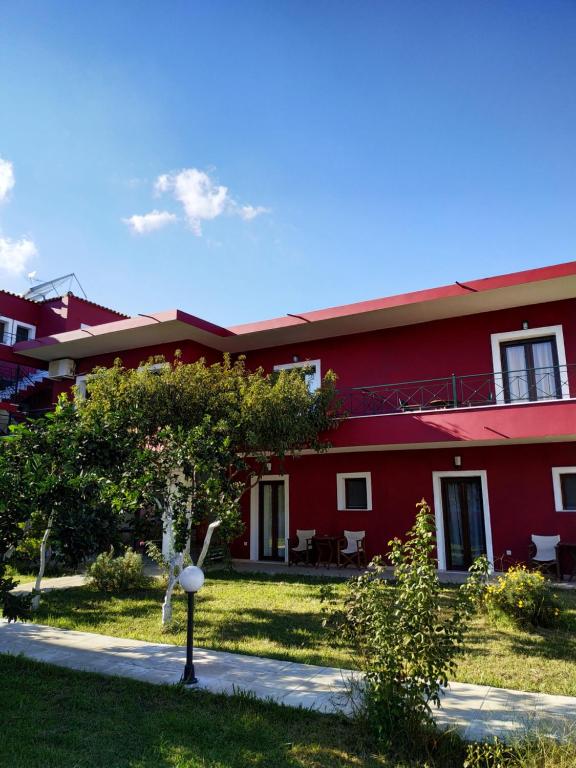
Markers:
<point>191,580</point>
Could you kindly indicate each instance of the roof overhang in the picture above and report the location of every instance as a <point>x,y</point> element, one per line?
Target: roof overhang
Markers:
<point>132,333</point>
<point>535,286</point>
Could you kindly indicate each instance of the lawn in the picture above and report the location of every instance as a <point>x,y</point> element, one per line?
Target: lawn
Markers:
<point>56,718</point>
<point>281,617</point>
<point>59,718</point>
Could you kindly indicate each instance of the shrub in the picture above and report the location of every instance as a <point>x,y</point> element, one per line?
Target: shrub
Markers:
<point>14,606</point>
<point>524,596</point>
<point>407,639</point>
<point>114,574</point>
<point>26,556</point>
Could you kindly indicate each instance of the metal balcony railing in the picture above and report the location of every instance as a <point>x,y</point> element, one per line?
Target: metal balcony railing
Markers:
<point>16,379</point>
<point>473,390</point>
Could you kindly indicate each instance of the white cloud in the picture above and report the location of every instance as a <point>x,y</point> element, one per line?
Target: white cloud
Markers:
<point>141,225</point>
<point>15,255</point>
<point>7,180</point>
<point>201,198</point>
<point>249,212</point>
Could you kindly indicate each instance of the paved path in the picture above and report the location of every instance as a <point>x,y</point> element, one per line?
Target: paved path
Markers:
<point>476,711</point>
<point>48,584</point>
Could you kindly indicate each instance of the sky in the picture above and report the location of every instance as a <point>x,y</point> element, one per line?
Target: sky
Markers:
<point>243,160</point>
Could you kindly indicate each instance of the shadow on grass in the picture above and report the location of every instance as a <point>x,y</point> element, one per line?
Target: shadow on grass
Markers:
<point>86,720</point>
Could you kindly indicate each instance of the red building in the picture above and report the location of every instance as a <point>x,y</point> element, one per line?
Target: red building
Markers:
<point>25,384</point>
<point>464,395</point>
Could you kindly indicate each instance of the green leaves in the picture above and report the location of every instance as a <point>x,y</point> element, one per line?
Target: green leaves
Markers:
<point>188,436</point>
<point>407,638</point>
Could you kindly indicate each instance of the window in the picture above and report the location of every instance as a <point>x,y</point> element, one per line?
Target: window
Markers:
<point>5,334</point>
<point>530,365</point>
<point>314,377</point>
<point>354,490</point>
<point>568,487</point>
<point>530,369</point>
<point>564,482</point>
<point>81,386</point>
<point>22,333</point>
<point>356,494</point>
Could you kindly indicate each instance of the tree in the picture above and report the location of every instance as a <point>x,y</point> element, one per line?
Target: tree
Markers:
<point>192,437</point>
<point>49,484</point>
<point>406,637</point>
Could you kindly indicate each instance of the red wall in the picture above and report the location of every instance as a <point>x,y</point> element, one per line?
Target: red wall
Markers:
<point>69,312</point>
<point>131,358</point>
<point>17,308</point>
<point>520,493</point>
<point>428,350</point>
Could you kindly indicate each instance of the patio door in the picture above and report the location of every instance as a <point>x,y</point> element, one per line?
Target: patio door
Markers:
<point>271,521</point>
<point>464,525</point>
<point>531,370</point>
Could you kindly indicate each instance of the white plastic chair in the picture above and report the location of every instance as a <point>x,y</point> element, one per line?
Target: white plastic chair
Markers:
<point>303,548</point>
<point>545,556</point>
<point>353,553</point>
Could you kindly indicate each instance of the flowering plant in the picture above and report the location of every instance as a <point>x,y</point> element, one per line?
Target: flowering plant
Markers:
<point>524,596</point>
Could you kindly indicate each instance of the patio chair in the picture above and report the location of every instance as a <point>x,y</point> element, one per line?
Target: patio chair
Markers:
<point>544,555</point>
<point>303,550</point>
<point>351,549</point>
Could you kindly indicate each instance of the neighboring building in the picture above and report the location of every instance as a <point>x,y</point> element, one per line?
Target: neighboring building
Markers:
<point>464,395</point>
<point>25,385</point>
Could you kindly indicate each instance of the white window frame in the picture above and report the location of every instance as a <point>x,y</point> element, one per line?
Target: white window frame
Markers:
<point>439,512</point>
<point>315,379</point>
<point>31,328</point>
<point>522,335</point>
<point>9,325</point>
<point>341,478</point>
<point>81,385</point>
<point>556,474</point>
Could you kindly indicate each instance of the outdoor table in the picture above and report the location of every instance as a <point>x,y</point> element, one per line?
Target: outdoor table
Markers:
<point>569,547</point>
<point>326,549</point>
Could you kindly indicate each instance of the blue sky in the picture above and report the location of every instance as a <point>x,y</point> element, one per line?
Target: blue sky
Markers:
<point>293,154</point>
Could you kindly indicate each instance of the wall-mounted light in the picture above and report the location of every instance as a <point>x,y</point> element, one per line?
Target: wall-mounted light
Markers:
<point>524,325</point>
<point>296,359</point>
<point>457,461</point>
<point>268,466</point>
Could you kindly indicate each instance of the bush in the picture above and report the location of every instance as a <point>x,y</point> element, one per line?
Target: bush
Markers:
<point>406,638</point>
<point>14,606</point>
<point>524,596</point>
<point>26,557</point>
<point>115,574</point>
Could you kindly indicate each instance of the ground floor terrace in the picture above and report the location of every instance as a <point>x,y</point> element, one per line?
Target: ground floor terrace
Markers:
<point>485,500</point>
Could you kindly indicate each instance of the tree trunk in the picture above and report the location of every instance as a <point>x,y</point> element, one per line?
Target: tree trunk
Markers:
<point>176,561</point>
<point>36,590</point>
<point>211,528</point>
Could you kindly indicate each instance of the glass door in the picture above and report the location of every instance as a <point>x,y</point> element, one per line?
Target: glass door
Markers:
<point>271,521</point>
<point>464,531</point>
<point>531,370</point>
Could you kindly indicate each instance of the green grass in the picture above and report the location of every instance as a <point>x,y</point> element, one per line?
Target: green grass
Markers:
<point>55,718</point>
<point>280,617</point>
<point>58,718</point>
<point>19,575</point>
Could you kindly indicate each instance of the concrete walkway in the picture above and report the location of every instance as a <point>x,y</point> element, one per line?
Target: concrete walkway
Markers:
<point>478,712</point>
<point>48,584</point>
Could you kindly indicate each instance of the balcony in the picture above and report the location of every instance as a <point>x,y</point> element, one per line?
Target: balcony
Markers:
<point>533,385</point>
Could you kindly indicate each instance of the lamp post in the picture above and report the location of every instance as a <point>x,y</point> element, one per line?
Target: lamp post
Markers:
<point>191,580</point>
